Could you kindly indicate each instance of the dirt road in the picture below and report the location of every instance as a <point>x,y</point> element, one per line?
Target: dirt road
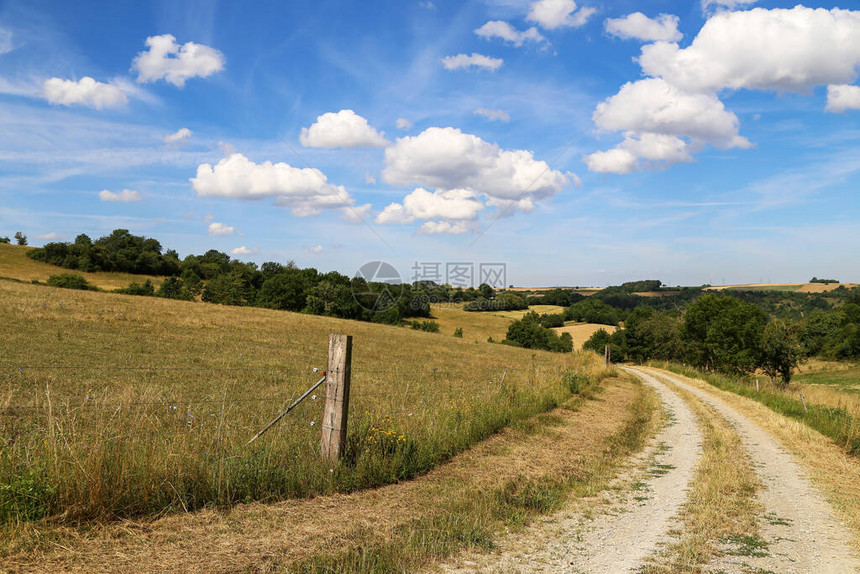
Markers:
<point>798,524</point>
<point>798,527</point>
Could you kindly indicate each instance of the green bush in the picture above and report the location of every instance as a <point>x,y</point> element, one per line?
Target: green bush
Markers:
<point>71,281</point>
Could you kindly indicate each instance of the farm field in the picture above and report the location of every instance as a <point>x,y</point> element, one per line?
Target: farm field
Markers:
<point>539,309</point>
<point>114,405</point>
<point>476,327</point>
<point>582,332</point>
<point>785,287</point>
<point>14,264</point>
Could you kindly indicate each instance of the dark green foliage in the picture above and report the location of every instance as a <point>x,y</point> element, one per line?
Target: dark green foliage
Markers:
<point>781,350</point>
<point>502,302</point>
<point>825,281</point>
<point>650,334</point>
<point>617,343</point>
<point>552,320</point>
<point>458,332</point>
<point>71,281</point>
<point>530,334</point>
<point>560,297</point>
<point>146,289</point>
<point>288,290</point>
<point>591,310</point>
<point>20,238</point>
<point>5,240</point>
<point>428,326</point>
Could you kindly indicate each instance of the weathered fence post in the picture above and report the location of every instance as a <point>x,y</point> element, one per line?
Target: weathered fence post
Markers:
<point>607,352</point>
<point>337,396</point>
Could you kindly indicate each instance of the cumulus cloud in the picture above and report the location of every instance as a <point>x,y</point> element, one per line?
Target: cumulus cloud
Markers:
<point>654,149</point>
<point>493,115</point>
<point>220,229</point>
<point>305,191</point>
<point>439,204</point>
<point>552,14</point>
<point>503,30</point>
<point>841,98</point>
<point>240,250</point>
<point>782,50</point>
<point>640,27</point>
<point>124,196</point>
<point>165,59</point>
<point>403,124</point>
<point>447,158</point>
<point>474,61</point>
<point>344,129</point>
<point>313,250</point>
<point>84,92</point>
<point>178,137</point>
<point>655,106</point>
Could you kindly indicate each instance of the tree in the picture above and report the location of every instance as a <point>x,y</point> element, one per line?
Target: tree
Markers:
<point>20,238</point>
<point>487,292</point>
<point>287,290</point>
<point>780,350</point>
<point>4,240</point>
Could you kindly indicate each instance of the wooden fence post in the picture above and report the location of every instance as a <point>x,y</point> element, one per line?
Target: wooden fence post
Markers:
<point>607,351</point>
<point>336,396</point>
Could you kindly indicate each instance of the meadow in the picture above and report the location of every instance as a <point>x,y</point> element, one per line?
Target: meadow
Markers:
<point>118,406</point>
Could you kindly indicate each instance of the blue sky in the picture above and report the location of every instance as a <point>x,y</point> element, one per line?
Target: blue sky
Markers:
<point>580,143</point>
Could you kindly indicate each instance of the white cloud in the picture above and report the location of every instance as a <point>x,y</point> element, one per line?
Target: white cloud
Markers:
<point>503,30</point>
<point>552,14</point>
<point>53,236</point>
<point>640,27</point>
<point>446,158</point>
<point>208,217</point>
<point>344,129</point>
<point>450,227</point>
<point>475,60</point>
<point>655,149</point>
<point>369,179</point>
<point>403,124</point>
<point>178,137</point>
<point>781,50</point>
<point>439,204</point>
<point>124,196</point>
<point>493,115</point>
<point>305,190</point>
<point>5,41</point>
<point>85,92</point>
<point>313,250</point>
<point>841,98</point>
<point>220,229</point>
<point>240,250</point>
<point>726,4</point>
<point>175,63</point>
<point>655,106</point>
<point>356,213</point>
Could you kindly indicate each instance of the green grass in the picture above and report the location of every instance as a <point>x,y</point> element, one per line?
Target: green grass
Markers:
<point>847,379</point>
<point>835,423</point>
<point>116,406</point>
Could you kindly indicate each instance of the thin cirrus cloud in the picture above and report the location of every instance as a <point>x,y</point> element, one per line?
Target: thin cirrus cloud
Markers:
<point>124,196</point>
<point>553,14</point>
<point>475,60</point>
<point>794,50</point>
<point>504,31</point>
<point>305,191</point>
<point>344,129</point>
<point>638,26</point>
<point>84,92</point>
<point>180,136</point>
<point>493,115</point>
<point>165,59</point>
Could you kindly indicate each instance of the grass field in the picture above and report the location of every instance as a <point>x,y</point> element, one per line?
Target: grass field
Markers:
<point>476,326</point>
<point>113,405</point>
<point>14,264</point>
<point>582,332</point>
<point>539,309</point>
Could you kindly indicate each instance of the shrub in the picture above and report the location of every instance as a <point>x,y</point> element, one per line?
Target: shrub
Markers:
<point>458,332</point>
<point>71,281</point>
<point>146,289</point>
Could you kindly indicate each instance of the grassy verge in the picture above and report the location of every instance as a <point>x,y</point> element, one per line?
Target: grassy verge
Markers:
<point>836,423</point>
<point>722,508</point>
<point>471,518</point>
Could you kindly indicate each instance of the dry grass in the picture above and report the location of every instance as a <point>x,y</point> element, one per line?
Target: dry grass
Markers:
<point>836,473</point>
<point>539,309</point>
<point>477,326</point>
<point>582,332</point>
<point>722,502</point>
<point>113,405</point>
<point>563,445</point>
<point>14,264</point>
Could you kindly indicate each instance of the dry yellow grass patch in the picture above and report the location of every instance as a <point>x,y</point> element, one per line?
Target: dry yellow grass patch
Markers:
<point>582,332</point>
<point>264,537</point>
<point>476,326</point>
<point>14,264</point>
<point>539,309</point>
